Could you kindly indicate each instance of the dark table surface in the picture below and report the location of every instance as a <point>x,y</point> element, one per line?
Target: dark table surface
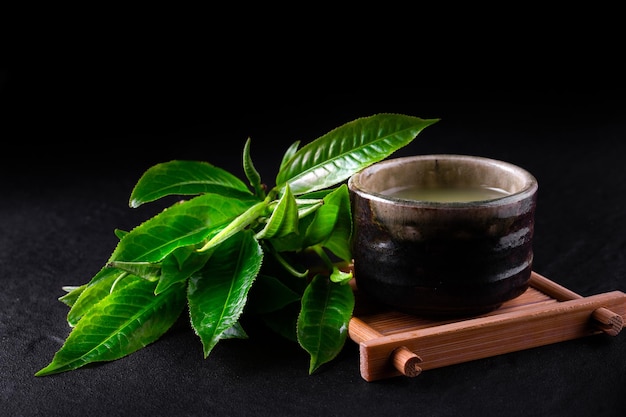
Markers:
<point>72,165</point>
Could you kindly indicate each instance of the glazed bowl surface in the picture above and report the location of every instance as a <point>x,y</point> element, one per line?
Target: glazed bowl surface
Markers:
<point>427,240</point>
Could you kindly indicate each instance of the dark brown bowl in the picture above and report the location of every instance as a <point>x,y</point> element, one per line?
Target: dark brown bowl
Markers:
<point>442,258</point>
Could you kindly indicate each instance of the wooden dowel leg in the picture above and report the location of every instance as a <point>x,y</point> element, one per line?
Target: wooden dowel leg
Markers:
<point>407,362</point>
<point>611,323</point>
<point>606,320</point>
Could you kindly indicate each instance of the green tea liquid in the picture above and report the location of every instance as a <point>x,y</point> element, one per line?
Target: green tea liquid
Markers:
<point>446,195</point>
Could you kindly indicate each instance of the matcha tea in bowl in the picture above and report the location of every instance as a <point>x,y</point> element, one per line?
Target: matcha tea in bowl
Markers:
<point>443,235</point>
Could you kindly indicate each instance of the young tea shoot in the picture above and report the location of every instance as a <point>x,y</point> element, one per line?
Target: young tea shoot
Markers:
<point>232,249</point>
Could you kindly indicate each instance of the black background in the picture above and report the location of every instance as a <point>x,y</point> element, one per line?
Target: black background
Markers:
<point>84,116</point>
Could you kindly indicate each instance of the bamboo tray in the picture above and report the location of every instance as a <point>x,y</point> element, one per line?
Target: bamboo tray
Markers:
<point>392,343</point>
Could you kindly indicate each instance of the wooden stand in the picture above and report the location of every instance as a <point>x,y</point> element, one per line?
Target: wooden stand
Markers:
<point>395,344</point>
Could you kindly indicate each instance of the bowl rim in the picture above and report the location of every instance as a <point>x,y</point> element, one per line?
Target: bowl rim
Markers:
<point>528,190</point>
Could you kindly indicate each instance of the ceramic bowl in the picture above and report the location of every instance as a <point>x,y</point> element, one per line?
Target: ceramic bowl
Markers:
<point>433,256</point>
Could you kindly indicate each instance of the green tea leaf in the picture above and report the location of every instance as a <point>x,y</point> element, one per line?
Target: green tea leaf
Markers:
<point>186,223</point>
<point>284,218</point>
<point>130,318</point>
<point>284,321</point>
<point>236,331</point>
<point>98,288</point>
<point>337,155</point>
<point>238,224</point>
<point>269,294</point>
<point>307,206</point>
<point>294,240</point>
<point>251,173</point>
<point>218,292</point>
<point>332,224</point>
<point>289,153</point>
<point>72,294</point>
<point>119,233</point>
<point>146,270</point>
<point>185,178</point>
<point>177,268</point>
<point>339,276</point>
<point>323,322</point>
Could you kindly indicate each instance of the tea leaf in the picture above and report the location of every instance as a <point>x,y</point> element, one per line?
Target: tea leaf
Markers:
<point>69,299</point>
<point>339,276</point>
<point>128,319</point>
<point>241,222</point>
<point>323,322</point>
<point>182,224</point>
<point>269,294</point>
<point>98,288</point>
<point>146,270</point>
<point>218,292</point>
<point>251,173</point>
<point>176,268</point>
<point>289,153</point>
<point>337,155</point>
<point>185,178</point>
<point>284,321</point>
<point>332,224</point>
<point>284,218</point>
<point>236,331</point>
